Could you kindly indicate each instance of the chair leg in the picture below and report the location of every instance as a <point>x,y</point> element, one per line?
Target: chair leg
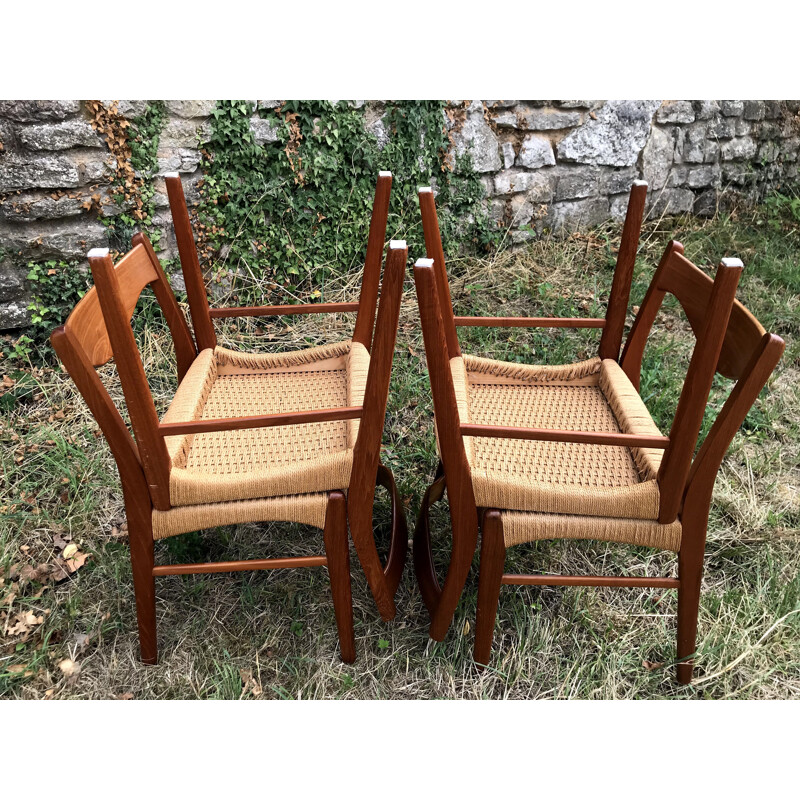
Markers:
<point>690,573</point>
<point>144,585</point>
<point>465,539</point>
<point>338,554</point>
<point>423,557</point>
<point>398,545</point>
<point>493,557</point>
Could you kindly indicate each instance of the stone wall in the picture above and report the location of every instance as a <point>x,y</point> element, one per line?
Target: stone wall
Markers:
<point>558,164</point>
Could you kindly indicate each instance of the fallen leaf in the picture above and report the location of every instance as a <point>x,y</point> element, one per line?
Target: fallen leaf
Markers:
<point>25,621</point>
<point>69,668</point>
<point>70,550</point>
<point>651,665</point>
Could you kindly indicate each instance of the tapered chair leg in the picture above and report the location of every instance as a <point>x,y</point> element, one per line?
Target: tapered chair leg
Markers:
<point>398,545</point>
<point>465,539</point>
<point>338,554</point>
<point>493,557</point>
<point>144,586</point>
<point>423,556</point>
<point>690,573</point>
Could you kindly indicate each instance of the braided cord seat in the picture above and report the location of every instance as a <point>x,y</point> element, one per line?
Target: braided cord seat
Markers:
<point>274,462</point>
<point>561,489</point>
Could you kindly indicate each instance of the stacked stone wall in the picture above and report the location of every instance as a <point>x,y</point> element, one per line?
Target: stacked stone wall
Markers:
<point>560,165</point>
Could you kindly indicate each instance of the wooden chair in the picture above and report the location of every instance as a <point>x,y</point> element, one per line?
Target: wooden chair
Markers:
<point>247,437</point>
<point>383,580</point>
<point>570,452</point>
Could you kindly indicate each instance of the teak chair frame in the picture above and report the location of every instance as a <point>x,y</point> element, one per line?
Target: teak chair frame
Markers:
<point>383,580</point>
<point>729,341</point>
<point>99,329</point>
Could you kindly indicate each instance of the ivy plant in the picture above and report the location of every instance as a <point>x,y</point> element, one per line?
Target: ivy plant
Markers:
<point>292,208</point>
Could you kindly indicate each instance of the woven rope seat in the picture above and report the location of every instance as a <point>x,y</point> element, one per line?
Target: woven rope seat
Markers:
<point>562,489</point>
<point>265,462</point>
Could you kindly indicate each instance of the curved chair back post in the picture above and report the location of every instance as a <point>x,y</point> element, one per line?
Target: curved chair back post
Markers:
<point>185,350</point>
<point>78,365</point>
<point>708,304</point>
<point>435,251</point>
<point>117,301</point>
<point>763,360</point>
<point>696,388</point>
<point>366,454</point>
<point>617,310</point>
<point>633,352</point>
<point>190,265</point>
<point>461,497</point>
<point>368,300</point>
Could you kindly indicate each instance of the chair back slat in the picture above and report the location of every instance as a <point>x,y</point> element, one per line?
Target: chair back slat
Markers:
<point>754,376</point>
<point>98,329</point>
<point>693,289</point>
<point>86,323</point>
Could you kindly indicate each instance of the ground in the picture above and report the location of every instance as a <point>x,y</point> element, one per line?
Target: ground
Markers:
<point>67,616</point>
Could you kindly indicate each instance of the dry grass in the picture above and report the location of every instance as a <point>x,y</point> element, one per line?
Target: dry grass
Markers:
<point>272,634</point>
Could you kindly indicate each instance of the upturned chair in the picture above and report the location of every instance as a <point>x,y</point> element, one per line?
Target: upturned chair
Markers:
<point>247,437</point>
<point>532,452</point>
<point>383,580</point>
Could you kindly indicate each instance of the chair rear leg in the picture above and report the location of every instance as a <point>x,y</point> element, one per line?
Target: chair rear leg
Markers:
<point>144,585</point>
<point>338,554</point>
<point>398,546</point>
<point>423,557</point>
<point>493,557</point>
<point>690,573</point>
<point>465,540</point>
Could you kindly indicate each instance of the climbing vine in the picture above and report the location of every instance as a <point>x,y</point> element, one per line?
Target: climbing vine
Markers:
<point>134,145</point>
<point>289,204</point>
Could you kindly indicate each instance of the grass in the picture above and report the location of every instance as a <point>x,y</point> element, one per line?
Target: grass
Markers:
<point>273,635</point>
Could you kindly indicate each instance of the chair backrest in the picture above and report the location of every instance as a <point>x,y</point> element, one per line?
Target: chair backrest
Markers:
<point>729,340</point>
<point>617,309</point>
<point>195,285</point>
<point>98,329</point>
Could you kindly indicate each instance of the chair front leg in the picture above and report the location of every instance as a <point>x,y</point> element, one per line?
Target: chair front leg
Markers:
<point>338,554</point>
<point>140,535</point>
<point>493,557</point>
